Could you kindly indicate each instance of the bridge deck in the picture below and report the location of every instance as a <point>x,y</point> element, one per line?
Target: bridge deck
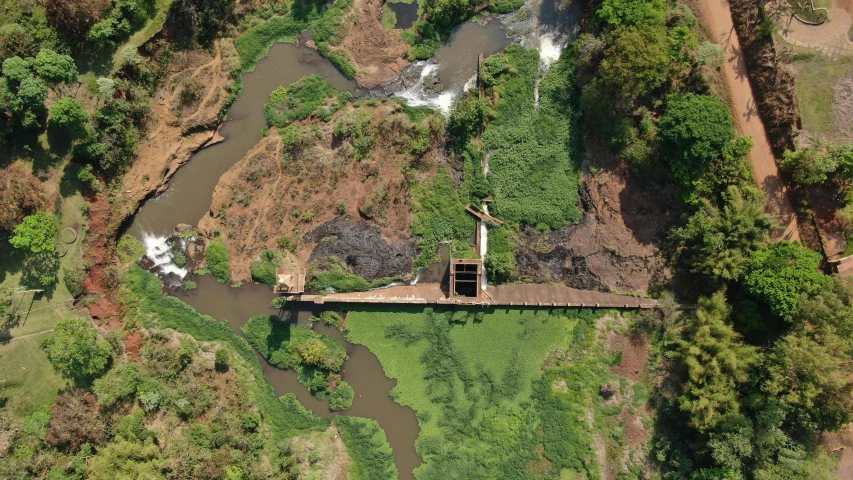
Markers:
<point>502,295</point>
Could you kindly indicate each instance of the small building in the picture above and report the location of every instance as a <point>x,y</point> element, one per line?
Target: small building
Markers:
<point>290,281</point>
<point>466,276</point>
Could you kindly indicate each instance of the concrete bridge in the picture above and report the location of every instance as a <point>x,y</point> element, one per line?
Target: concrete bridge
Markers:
<point>501,295</point>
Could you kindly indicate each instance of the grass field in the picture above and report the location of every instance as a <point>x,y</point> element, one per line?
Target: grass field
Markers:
<point>26,378</point>
<point>816,76</point>
<point>471,378</point>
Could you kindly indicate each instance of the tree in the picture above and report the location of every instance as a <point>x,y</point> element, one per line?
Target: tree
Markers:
<point>75,17</point>
<point>779,273</point>
<point>21,194</point>
<point>717,363</point>
<point>16,69</point>
<point>106,87</point>
<point>75,351</point>
<point>808,372</point>
<point>16,40</point>
<point>341,397</point>
<point>637,63</point>
<point>314,351</point>
<point>69,115</point>
<point>36,233</point>
<point>31,95</point>
<point>54,67</point>
<point>819,163</point>
<point>617,14</point>
<point>719,242</point>
<point>694,130</point>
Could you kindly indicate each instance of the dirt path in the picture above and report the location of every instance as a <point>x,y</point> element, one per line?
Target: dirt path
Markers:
<point>718,20</point>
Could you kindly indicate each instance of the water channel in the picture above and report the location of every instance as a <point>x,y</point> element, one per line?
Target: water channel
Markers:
<point>362,369</point>
<point>189,194</point>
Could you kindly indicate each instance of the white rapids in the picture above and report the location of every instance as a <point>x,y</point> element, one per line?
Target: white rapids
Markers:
<point>158,251</point>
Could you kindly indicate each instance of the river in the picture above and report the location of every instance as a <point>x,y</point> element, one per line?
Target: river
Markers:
<point>189,193</point>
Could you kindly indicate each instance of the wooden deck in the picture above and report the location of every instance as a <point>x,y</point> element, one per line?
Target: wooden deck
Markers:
<point>503,295</point>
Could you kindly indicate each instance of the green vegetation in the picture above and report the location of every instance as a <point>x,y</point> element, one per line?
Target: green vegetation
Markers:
<point>534,155</point>
<point>36,233</point>
<point>341,397</point>
<point>285,416</point>
<point>70,116</point>
<point>316,358</point>
<point>263,269</point>
<point>694,130</point>
<point>389,18</point>
<point>74,350</point>
<point>779,273</point>
<point>369,451</point>
<point>339,58</point>
<point>338,276</point>
<point>303,99</point>
<point>439,216</point>
<point>217,262</point>
<point>474,407</point>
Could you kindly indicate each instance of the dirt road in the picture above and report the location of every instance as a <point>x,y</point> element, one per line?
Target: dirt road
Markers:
<point>717,18</point>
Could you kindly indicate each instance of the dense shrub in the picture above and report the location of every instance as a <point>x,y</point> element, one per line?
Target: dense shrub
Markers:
<point>301,100</point>
<point>286,345</point>
<point>217,261</point>
<point>120,383</point>
<point>74,278</point>
<point>372,457</point>
<point>341,397</point>
<point>338,276</point>
<point>779,273</point>
<point>438,215</point>
<point>264,268</point>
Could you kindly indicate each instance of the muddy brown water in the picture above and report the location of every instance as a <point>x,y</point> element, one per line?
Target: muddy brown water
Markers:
<point>190,191</point>
<point>362,369</point>
<point>188,199</point>
<point>457,59</point>
<point>406,13</point>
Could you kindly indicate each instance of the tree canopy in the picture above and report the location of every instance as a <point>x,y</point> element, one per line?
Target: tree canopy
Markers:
<point>55,67</point>
<point>717,362</point>
<point>36,233</point>
<point>69,115</point>
<point>75,351</point>
<point>780,272</point>
<point>694,129</point>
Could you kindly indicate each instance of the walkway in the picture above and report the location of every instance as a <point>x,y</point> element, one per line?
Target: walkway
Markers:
<point>502,295</point>
<point>718,20</point>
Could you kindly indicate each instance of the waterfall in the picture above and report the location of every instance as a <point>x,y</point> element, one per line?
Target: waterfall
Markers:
<point>157,250</point>
<point>418,96</point>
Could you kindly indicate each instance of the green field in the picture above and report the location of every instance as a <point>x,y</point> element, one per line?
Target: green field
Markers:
<point>816,76</point>
<point>27,381</point>
<point>476,382</point>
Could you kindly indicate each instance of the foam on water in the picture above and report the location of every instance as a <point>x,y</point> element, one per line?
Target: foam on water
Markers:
<point>549,50</point>
<point>157,250</point>
<point>418,96</point>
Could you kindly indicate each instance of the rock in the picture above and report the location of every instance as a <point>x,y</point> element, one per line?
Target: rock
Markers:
<point>183,227</point>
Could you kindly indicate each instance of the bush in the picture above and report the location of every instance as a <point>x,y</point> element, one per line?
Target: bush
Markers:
<point>217,261</point>
<point>779,273</point>
<point>505,6</point>
<point>372,457</point>
<point>250,421</point>
<point>301,100</point>
<point>68,114</point>
<point>222,359</point>
<point>711,54</point>
<point>278,303</point>
<point>74,278</point>
<point>87,177</point>
<point>339,59</point>
<point>341,397</point>
<point>264,268</point>
<point>339,277</point>
<point>129,249</point>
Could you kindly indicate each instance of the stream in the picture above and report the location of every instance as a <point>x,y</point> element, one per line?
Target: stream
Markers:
<point>435,83</point>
